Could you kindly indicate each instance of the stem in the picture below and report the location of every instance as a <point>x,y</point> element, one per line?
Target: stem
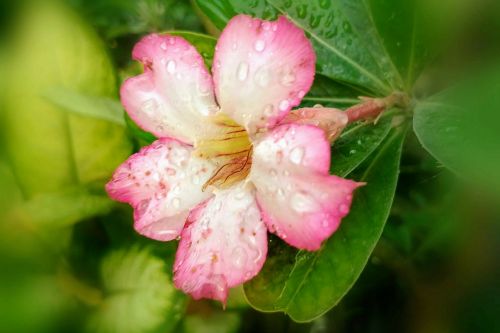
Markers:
<point>372,108</point>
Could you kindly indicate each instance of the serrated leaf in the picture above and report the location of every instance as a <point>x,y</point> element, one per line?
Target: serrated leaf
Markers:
<point>140,296</point>
<point>103,108</point>
<point>460,127</point>
<point>306,284</point>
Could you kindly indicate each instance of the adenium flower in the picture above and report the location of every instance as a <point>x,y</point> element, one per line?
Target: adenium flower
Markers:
<point>232,160</point>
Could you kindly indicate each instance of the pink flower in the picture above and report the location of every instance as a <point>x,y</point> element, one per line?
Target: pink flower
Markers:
<point>233,161</point>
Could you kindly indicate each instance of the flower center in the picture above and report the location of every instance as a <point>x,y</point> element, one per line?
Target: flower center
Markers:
<point>230,149</point>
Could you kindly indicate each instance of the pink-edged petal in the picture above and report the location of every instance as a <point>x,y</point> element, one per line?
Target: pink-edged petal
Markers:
<point>223,245</point>
<point>162,182</point>
<point>175,93</point>
<point>331,121</point>
<point>299,200</point>
<point>261,70</point>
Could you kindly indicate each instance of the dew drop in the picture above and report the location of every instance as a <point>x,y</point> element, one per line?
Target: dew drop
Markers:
<point>260,45</point>
<point>352,151</point>
<point>234,46</point>
<point>302,203</point>
<point>273,173</point>
<point>296,155</point>
<point>176,202</point>
<point>325,223</point>
<point>149,107</point>
<point>163,46</point>
<point>239,257</point>
<point>242,71</point>
<point>262,77</point>
<point>343,209</point>
<point>171,40</point>
<point>268,110</point>
<point>195,179</point>
<point>284,104</point>
<point>288,78</point>
<point>171,66</point>
<point>240,195</point>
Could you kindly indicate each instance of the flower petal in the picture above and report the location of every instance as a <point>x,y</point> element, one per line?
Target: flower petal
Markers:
<point>331,121</point>
<point>175,92</point>
<point>162,182</point>
<point>261,70</point>
<point>223,245</point>
<point>299,200</point>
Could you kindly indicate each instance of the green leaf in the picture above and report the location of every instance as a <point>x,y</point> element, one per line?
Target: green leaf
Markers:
<point>49,148</point>
<point>227,322</point>
<point>327,92</point>
<point>205,44</point>
<point>306,284</point>
<point>460,127</point>
<point>88,106</point>
<point>140,296</point>
<point>356,143</point>
<point>55,210</point>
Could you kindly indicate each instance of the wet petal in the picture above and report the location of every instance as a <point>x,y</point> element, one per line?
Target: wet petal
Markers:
<point>331,121</point>
<point>175,93</point>
<point>162,182</point>
<point>299,200</point>
<point>223,245</point>
<point>261,70</point>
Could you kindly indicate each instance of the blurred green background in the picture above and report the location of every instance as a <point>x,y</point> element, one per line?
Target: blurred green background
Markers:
<point>69,258</point>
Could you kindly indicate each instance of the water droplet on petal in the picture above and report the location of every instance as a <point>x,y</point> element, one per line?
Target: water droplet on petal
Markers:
<point>260,45</point>
<point>273,173</point>
<point>288,78</point>
<point>268,110</point>
<point>171,40</point>
<point>303,203</point>
<point>262,77</point>
<point>149,107</point>
<point>284,104</point>
<point>234,46</point>
<point>176,203</point>
<point>195,179</point>
<point>163,46</point>
<point>343,209</point>
<point>239,257</point>
<point>242,71</point>
<point>296,155</point>
<point>240,195</point>
<point>325,223</point>
<point>171,66</point>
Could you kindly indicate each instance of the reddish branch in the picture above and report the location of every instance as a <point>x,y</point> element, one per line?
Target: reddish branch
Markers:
<point>371,108</point>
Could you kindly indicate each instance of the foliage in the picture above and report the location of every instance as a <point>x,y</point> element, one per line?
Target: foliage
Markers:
<point>408,247</point>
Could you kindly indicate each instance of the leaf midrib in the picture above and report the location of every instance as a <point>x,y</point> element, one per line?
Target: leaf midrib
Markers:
<point>385,88</point>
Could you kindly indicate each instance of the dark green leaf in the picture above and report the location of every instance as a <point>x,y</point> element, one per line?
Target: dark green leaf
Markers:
<point>460,128</point>
<point>356,143</point>
<point>205,44</point>
<point>307,284</point>
<point>330,93</point>
<point>381,45</point>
